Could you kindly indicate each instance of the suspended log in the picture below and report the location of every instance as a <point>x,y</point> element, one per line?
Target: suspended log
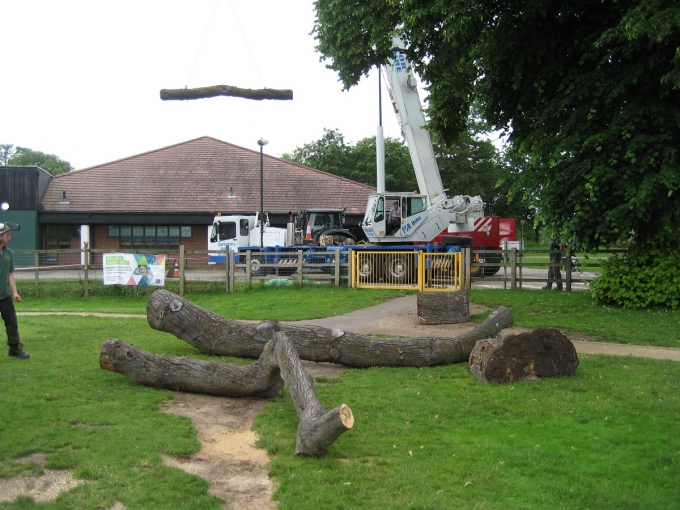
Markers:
<point>220,336</point>
<point>538,354</point>
<point>260,379</point>
<point>318,428</point>
<point>225,90</point>
<point>443,308</point>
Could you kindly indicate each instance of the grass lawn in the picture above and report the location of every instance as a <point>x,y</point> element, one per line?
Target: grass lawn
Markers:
<point>430,438</point>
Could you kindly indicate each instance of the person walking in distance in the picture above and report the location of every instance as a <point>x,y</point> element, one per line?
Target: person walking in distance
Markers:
<point>554,274</point>
<point>8,292</point>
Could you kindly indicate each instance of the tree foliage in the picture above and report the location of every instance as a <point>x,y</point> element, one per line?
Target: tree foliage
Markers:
<point>21,156</point>
<point>589,93</point>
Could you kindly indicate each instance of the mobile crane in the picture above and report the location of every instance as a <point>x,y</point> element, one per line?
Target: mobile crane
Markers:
<point>430,216</point>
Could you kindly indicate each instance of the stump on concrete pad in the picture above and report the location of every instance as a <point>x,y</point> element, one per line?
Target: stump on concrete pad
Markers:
<point>443,308</point>
<point>541,353</point>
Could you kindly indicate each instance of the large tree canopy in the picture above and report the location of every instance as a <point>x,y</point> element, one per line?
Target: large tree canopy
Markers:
<point>589,92</point>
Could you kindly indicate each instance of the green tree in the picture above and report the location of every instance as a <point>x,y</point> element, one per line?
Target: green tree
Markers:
<point>28,157</point>
<point>588,92</point>
<point>6,152</point>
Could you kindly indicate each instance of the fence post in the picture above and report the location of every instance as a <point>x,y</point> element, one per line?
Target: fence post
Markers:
<point>336,263</point>
<point>568,270</point>
<point>181,270</point>
<point>300,268</point>
<point>86,259</point>
<point>248,275</point>
<point>513,269</point>
<point>351,255</point>
<point>37,273</point>
<point>467,264</point>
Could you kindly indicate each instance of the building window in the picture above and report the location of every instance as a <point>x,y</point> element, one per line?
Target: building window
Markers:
<point>58,237</point>
<point>149,237</point>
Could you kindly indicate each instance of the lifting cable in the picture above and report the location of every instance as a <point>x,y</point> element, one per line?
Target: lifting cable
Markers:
<point>206,34</point>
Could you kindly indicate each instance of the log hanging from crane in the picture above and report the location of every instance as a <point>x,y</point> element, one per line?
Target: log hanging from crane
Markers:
<point>216,335</point>
<point>225,90</point>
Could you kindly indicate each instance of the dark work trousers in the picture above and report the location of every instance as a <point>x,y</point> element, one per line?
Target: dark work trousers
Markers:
<point>9,315</point>
<point>554,275</point>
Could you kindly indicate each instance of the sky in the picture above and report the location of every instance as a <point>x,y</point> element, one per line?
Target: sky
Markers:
<point>81,79</point>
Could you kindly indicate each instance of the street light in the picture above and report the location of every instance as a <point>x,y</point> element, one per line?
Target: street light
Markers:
<point>262,142</point>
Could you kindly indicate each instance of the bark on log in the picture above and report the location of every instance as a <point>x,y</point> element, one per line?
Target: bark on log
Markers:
<point>541,353</point>
<point>260,379</point>
<point>443,308</point>
<point>225,90</point>
<point>217,335</point>
<point>318,428</point>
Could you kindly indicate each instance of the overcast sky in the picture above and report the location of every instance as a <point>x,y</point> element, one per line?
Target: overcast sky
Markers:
<point>81,78</point>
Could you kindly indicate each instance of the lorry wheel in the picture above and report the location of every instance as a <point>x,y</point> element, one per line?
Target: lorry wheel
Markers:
<point>457,240</point>
<point>367,268</point>
<point>255,268</point>
<point>398,269</point>
<point>492,258</point>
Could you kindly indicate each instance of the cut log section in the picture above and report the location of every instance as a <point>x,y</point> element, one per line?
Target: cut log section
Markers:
<point>538,354</point>
<point>260,379</point>
<point>225,90</point>
<point>443,308</point>
<point>318,428</point>
<point>219,336</point>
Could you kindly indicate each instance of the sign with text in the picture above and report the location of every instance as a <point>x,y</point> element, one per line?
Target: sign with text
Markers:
<point>133,269</point>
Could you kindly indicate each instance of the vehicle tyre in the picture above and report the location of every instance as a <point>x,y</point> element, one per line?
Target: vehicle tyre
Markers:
<point>492,258</point>
<point>255,268</point>
<point>457,240</point>
<point>367,269</point>
<point>398,268</point>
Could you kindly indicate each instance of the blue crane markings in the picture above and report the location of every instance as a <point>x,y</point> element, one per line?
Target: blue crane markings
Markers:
<point>405,229</point>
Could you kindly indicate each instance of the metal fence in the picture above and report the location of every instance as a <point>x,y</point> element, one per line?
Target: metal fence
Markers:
<point>505,269</point>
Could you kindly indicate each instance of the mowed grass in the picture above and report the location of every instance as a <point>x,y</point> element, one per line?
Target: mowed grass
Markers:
<point>429,438</point>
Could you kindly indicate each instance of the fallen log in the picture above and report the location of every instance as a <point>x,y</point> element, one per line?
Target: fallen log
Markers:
<point>541,353</point>
<point>225,90</point>
<point>260,379</point>
<point>220,336</point>
<point>318,428</point>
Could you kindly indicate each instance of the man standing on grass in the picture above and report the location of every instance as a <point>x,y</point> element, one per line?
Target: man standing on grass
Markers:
<point>8,292</point>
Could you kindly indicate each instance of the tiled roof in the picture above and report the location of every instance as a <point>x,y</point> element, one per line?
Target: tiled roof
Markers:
<point>196,177</point>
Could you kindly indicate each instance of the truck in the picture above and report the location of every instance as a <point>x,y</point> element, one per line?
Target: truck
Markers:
<point>430,220</point>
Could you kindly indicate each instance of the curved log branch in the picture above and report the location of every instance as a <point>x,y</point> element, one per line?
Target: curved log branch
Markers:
<point>318,428</point>
<point>260,379</point>
<point>217,335</point>
<point>225,90</point>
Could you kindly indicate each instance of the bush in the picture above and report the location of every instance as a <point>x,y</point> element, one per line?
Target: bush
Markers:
<point>640,279</point>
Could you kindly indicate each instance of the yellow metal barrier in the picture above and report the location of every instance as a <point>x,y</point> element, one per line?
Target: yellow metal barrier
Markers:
<point>427,272</point>
<point>440,272</point>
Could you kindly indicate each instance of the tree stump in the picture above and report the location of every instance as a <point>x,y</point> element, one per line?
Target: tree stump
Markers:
<point>260,379</point>
<point>219,336</point>
<point>443,308</point>
<point>541,353</point>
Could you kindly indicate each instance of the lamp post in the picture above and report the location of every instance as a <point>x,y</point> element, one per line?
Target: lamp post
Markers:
<point>262,142</point>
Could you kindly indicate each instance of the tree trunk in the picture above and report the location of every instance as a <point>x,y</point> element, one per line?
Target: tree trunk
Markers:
<point>260,379</point>
<point>443,308</point>
<point>318,428</point>
<point>225,90</point>
<point>538,354</point>
<point>219,336</point>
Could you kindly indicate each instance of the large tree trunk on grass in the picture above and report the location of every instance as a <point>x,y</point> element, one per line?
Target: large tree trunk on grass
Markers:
<point>225,90</point>
<point>217,335</point>
<point>260,379</point>
<point>318,428</point>
<point>538,354</point>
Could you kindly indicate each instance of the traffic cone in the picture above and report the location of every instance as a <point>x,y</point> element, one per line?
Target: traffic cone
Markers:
<point>174,272</point>
<point>308,234</point>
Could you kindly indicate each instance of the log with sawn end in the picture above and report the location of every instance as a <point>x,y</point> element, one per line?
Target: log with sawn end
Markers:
<point>217,335</point>
<point>225,90</point>
<point>260,379</point>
